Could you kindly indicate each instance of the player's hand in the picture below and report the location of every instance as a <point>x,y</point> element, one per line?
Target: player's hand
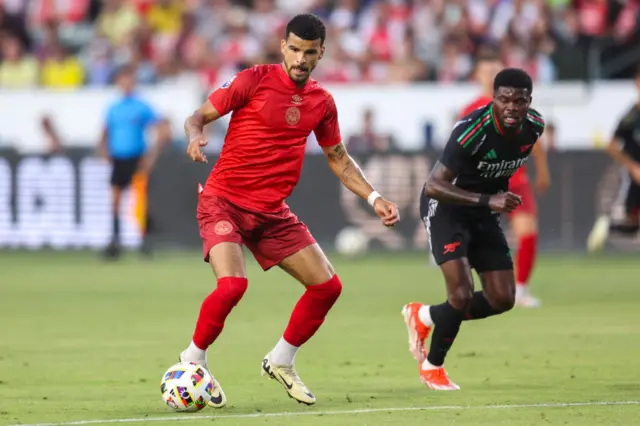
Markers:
<point>635,173</point>
<point>387,211</point>
<point>505,202</point>
<point>194,150</point>
<point>543,182</point>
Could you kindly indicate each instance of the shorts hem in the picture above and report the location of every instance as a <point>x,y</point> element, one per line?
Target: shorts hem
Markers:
<point>270,264</point>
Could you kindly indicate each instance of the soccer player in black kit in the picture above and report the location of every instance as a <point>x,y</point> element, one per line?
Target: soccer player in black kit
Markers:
<point>461,204</point>
<point>624,148</point>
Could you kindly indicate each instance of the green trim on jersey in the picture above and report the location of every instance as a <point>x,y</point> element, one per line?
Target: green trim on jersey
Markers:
<point>474,129</point>
<point>535,117</point>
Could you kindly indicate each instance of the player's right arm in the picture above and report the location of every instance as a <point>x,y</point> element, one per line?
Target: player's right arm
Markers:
<point>455,157</point>
<point>231,96</point>
<point>616,147</point>
<point>194,129</point>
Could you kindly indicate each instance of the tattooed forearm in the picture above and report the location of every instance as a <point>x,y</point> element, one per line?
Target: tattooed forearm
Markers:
<point>337,153</point>
<point>350,172</point>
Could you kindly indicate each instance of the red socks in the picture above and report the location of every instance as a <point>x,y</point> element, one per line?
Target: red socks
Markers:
<point>307,316</point>
<point>310,311</point>
<point>215,309</point>
<point>526,258</point>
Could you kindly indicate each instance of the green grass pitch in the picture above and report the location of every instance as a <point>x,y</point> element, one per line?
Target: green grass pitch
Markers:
<point>83,341</point>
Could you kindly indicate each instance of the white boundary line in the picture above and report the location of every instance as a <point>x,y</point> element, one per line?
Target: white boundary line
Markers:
<point>339,412</point>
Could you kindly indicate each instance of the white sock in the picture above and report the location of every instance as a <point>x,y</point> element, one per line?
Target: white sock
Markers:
<point>521,289</point>
<point>425,315</point>
<point>283,353</point>
<point>194,353</point>
<point>426,365</point>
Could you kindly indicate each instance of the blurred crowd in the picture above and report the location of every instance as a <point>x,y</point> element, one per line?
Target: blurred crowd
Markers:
<point>71,43</point>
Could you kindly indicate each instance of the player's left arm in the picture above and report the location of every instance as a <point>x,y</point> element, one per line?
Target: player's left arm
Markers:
<point>328,135</point>
<point>351,176</point>
<point>543,176</point>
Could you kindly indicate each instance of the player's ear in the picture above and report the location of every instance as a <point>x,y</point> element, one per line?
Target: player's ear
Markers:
<point>283,46</point>
<point>322,49</point>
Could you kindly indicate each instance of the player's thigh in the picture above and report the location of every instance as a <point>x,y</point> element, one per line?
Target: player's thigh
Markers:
<point>287,242</point>
<point>221,229</point>
<point>499,288</point>
<point>459,281</point>
<point>309,266</point>
<point>488,248</point>
<point>448,233</point>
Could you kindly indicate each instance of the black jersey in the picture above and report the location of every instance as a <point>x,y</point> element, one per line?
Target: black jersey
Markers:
<point>628,133</point>
<point>482,157</point>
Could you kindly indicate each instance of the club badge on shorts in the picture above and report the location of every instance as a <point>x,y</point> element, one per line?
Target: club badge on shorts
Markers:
<point>223,227</point>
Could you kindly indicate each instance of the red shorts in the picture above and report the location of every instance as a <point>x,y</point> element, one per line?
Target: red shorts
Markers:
<point>522,187</point>
<point>271,237</point>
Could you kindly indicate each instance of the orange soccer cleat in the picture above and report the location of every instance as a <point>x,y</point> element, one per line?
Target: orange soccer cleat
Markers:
<point>418,331</point>
<point>437,379</point>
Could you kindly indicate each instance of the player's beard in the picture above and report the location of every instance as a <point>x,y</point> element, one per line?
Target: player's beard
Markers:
<point>300,77</point>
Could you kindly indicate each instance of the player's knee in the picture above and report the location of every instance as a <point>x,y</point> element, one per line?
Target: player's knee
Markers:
<point>329,291</point>
<point>524,224</point>
<point>232,288</point>
<point>504,301</point>
<point>460,298</point>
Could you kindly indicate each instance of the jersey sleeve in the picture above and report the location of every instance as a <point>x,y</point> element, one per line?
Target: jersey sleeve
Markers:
<point>328,130</point>
<point>455,156</point>
<point>235,93</point>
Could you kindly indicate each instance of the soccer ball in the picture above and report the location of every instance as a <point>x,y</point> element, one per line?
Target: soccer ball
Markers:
<point>351,241</point>
<point>186,387</point>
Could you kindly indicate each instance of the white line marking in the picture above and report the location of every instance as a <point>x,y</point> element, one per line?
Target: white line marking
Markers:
<point>340,412</point>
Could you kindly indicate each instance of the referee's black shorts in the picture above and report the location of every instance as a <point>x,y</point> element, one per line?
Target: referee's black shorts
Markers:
<point>460,231</point>
<point>123,171</point>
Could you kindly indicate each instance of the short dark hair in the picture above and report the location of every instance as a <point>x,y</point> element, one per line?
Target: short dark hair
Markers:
<point>513,77</point>
<point>307,26</point>
<point>125,70</point>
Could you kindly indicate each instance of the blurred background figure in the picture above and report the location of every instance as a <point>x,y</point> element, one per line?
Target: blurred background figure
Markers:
<point>124,145</point>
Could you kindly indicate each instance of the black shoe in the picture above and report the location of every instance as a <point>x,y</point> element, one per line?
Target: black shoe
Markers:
<point>112,252</point>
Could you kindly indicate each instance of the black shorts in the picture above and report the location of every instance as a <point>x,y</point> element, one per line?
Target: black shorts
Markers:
<point>632,198</point>
<point>123,171</point>
<point>459,231</point>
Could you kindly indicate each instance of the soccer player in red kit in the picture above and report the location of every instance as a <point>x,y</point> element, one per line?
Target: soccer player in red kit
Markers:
<point>274,110</point>
<point>524,220</point>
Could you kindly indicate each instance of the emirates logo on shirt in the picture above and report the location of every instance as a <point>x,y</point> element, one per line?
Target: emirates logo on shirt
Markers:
<point>292,116</point>
<point>296,99</point>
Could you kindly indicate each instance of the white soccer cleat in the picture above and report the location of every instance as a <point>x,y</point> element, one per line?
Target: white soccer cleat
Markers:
<point>218,399</point>
<point>289,379</point>
<point>524,299</point>
<point>599,234</point>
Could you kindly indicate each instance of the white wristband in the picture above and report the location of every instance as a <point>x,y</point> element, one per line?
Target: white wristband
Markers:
<point>373,197</point>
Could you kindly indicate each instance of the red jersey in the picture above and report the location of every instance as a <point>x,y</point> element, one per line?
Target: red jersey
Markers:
<point>520,177</point>
<point>263,151</point>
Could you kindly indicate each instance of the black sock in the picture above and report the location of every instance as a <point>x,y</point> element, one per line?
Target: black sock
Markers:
<point>116,229</point>
<point>479,308</point>
<point>447,322</point>
<point>624,229</point>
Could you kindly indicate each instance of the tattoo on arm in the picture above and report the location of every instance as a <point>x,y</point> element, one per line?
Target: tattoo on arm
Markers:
<point>337,153</point>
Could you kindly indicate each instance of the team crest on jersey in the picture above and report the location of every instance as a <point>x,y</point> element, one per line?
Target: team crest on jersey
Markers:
<point>296,99</point>
<point>228,83</point>
<point>292,116</point>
